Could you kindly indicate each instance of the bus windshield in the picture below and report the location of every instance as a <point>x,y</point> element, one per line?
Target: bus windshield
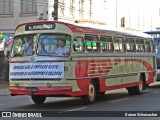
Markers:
<point>44,45</point>
<point>54,45</point>
<point>23,45</point>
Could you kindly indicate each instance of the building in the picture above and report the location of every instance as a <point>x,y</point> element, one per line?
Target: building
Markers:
<point>14,12</point>
<point>127,14</point>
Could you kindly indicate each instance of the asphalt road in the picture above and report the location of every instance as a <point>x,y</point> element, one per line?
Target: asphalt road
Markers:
<point>115,101</point>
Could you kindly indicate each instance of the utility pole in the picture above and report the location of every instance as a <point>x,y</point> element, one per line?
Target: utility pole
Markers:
<point>55,15</point>
<point>138,13</point>
<point>116,15</point>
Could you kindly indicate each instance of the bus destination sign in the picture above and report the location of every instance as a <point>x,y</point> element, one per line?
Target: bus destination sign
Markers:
<point>40,27</point>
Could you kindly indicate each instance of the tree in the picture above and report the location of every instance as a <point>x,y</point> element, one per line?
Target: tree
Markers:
<point>2,35</point>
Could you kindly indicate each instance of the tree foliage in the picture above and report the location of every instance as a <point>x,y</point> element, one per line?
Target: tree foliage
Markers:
<point>2,35</point>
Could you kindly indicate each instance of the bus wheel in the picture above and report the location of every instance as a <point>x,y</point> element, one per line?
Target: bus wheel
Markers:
<point>91,96</point>
<point>136,90</point>
<point>38,99</point>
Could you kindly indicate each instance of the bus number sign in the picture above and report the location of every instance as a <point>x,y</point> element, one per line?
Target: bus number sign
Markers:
<point>40,27</point>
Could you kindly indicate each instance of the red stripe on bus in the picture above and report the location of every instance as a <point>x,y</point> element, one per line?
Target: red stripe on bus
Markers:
<point>84,71</point>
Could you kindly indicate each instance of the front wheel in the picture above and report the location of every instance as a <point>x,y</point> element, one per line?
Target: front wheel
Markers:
<point>38,99</point>
<point>91,96</point>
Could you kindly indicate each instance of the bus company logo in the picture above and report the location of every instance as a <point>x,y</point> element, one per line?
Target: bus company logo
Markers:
<point>6,114</point>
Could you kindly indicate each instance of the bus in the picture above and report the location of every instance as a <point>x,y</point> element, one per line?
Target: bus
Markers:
<point>98,61</point>
<point>156,37</point>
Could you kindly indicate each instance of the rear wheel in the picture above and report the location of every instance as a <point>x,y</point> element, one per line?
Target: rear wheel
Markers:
<point>136,90</point>
<point>38,99</point>
<point>91,96</point>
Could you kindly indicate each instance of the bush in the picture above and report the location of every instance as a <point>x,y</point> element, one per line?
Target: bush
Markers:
<point>2,35</point>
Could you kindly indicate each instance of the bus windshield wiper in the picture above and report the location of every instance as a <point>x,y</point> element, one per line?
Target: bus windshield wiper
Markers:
<point>45,50</point>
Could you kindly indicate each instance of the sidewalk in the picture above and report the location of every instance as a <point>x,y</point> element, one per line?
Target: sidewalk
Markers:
<point>4,88</point>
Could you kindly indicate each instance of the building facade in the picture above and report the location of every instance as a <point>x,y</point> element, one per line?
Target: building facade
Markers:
<point>126,14</point>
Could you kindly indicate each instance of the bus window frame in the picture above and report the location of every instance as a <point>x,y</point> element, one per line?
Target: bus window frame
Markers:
<point>131,44</point>
<point>147,42</point>
<point>138,45</point>
<point>153,47</point>
<point>74,47</point>
<point>23,42</point>
<point>57,43</point>
<point>107,43</point>
<point>98,49</point>
<point>121,48</point>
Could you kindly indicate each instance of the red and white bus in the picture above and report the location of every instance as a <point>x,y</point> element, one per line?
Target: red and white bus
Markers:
<point>97,61</point>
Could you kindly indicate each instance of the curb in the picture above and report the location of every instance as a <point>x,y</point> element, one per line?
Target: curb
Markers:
<point>4,89</point>
<point>4,94</point>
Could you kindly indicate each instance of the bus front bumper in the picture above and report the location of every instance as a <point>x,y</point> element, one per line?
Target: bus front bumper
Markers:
<point>41,90</point>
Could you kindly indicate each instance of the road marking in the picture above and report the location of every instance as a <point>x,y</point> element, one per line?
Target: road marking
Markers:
<point>118,100</point>
<point>150,93</point>
<point>73,109</point>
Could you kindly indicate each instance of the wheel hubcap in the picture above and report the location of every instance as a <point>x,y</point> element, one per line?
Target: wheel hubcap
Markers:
<point>91,93</point>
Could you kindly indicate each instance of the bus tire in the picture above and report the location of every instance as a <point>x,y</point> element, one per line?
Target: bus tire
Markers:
<point>137,90</point>
<point>38,99</point>
<point>91,96</point>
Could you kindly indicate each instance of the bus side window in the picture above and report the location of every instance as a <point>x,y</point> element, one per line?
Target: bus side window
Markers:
<point>119,45</point>
<point>92,43</point>
<point>140,45</point>
<point>106,43</point>
<point>153,49</point>
<point>147,46</point>
<point>130,45</point>
<point>78,44</point>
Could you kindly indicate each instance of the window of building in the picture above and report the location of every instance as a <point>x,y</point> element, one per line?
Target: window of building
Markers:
<point>92,43</point>
<point>123,22</point>
<point>106,43</point>
<point>28,6</point>
<point>6,7</point>
<point>130,45</point>
<point>119,45</point>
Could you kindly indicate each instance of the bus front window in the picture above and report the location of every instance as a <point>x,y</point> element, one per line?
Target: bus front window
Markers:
<point>23,46</point>
<point>54,45</point>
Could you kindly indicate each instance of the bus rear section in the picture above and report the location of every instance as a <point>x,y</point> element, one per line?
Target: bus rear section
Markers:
<point>156,38</point>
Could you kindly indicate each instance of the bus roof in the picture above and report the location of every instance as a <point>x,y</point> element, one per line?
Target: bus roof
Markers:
<point>153,32</point>
<point>92,30</point>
